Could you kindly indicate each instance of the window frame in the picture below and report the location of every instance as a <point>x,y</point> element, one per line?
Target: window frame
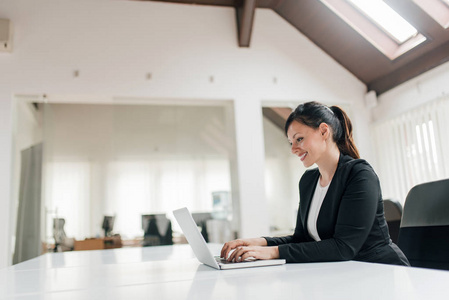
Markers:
<point>375,35</point>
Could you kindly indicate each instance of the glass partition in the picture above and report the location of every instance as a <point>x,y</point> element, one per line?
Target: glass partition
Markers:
<point>129,160</point>
<point>282,172</point>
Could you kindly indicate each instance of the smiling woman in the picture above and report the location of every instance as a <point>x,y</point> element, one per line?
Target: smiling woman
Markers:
<point>340,216</point>
<point>314,120</point>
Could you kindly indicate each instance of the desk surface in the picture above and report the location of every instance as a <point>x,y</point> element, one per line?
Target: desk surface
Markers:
<point>172,272</point>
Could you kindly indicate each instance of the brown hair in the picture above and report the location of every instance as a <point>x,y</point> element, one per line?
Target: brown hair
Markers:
<point>312,114</point>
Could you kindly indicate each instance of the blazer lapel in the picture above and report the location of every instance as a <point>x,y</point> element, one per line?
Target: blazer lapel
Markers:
<point>307,195</point>
<point>331,202</point>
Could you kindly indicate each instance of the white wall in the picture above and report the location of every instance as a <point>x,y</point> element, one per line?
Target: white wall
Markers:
<point>5,178</point>
<point>429,86</point>
<point>114,44</point>
<point>100,131</point>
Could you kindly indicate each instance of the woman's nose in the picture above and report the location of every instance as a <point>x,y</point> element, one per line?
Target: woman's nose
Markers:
<point>294,149</point>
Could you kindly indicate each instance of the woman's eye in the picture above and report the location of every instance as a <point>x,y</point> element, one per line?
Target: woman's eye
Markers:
<point>299,140</point>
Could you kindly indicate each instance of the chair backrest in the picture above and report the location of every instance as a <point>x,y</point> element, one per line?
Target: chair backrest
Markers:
<point>424,232</point>
<point>393,215</point>
<point>58,230</point>
<point>201,219</point>
<point>157,230</point>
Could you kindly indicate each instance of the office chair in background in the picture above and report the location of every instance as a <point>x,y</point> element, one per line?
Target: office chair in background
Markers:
<point>108,225</point>
<point>424,232</point>
<point>157,230</point>
<point>62,242</point>
<point>201,219</point>
<point>393,214</point>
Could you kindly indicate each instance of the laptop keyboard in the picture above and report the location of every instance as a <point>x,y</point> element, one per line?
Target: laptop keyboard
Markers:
<point>224,261</point>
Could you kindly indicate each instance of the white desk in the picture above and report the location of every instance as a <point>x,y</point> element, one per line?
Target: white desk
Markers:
<point>172,272</point>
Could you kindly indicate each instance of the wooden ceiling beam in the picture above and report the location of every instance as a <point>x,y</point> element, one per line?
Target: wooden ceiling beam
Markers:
<point>422,64</point>
<point>245,19</point>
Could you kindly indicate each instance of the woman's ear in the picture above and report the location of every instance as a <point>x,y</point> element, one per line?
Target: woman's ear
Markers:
<point>324,129</point>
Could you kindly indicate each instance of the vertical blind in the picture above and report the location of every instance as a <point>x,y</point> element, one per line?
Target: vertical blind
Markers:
<point>411,148</point>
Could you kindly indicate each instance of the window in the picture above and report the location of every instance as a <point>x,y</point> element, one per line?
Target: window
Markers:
<point>388,19</point>
<point>160,185</point>
<point>67,195</point>
<point>410,148</point>
<point>379,24</point>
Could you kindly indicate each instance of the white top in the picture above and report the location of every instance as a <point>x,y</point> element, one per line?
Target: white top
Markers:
<point>315,206</point>
<point>173,272</point>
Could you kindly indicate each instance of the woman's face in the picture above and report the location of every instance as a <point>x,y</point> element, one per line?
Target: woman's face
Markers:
<point>307,143</point>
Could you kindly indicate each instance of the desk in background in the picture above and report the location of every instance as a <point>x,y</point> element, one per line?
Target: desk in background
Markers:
<point>172,272</point>
<point>98,243</point>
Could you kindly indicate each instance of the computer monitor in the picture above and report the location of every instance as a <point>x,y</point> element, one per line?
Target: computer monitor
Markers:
<point>108,225</point>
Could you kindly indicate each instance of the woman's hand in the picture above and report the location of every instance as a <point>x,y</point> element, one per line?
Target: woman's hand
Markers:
<point>242,253</point>
<point>231,245</point>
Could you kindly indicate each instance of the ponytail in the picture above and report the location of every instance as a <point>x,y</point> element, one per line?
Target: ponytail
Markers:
<point>345,141</point>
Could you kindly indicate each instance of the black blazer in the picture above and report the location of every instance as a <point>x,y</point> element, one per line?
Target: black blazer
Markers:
<point>351,221</point>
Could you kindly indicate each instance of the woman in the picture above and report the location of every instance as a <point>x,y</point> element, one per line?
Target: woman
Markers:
<point>341,215</point>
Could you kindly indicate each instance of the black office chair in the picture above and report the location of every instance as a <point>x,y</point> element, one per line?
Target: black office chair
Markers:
<point>393,215</point>
<point>201,219</point>
<point>157,230</point>
<point>424,232</point>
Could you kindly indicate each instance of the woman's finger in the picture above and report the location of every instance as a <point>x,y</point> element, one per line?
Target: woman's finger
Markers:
<point>234,255</point>
<point>228,248</point>
<point>250,255</point>
<point>238,254</point>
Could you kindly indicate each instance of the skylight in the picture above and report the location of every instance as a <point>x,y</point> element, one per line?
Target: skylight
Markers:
<point>379,24</point>
<point>385,17</point>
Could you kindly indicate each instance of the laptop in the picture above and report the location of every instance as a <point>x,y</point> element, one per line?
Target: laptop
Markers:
<point>202,251</point>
